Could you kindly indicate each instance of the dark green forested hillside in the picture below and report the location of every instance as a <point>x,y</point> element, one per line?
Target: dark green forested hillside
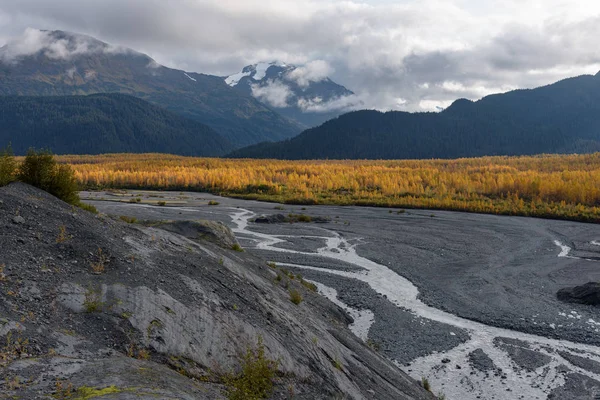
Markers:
<point>559,118</point>
<point>103,123</point>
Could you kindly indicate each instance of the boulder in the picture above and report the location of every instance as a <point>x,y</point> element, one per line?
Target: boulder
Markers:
<point>271,219</point>
<point>584,294</point>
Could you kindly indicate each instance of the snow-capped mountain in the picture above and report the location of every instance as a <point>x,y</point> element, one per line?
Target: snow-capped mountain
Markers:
<point>303,93</point>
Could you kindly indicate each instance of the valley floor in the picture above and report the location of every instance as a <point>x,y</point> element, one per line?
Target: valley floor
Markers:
<point>467,301</point>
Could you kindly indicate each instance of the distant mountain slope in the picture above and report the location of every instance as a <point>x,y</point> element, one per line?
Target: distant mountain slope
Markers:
<point>102,123</point>
<point>558,118</point>
<point>294,91</point>
<point>44,63</point>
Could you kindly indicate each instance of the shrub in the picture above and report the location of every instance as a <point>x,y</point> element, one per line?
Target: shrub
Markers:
<point>8,166</point>
<point>41,170</point>
<point>255,381</point>
<point>213,203</point>
<point>295,297</point>
<point>162,203</point>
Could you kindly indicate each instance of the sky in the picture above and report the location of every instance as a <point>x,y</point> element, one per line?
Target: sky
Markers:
<point>414,55</point>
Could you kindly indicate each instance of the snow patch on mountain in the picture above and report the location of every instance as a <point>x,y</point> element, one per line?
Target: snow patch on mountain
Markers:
<point>260,71</point>
<point>256,72</point>
<point>236,78</point>
<point>190,77</point>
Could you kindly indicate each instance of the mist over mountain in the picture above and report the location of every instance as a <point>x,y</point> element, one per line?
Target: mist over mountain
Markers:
<point>102,123</point>
<point>304,94</point>
<point>560,118</point>
<point>50,63</point>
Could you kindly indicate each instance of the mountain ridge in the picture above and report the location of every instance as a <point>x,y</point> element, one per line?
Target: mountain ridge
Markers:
<point>556,118</point>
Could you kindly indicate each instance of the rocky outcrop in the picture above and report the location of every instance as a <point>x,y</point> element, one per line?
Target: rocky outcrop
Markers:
<point>94,305</point>
<point>212,231</point>
<point>585,294</point>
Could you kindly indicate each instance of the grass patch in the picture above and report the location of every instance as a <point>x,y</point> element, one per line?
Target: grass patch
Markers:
<point>213,203</point>
<point>129,220</point>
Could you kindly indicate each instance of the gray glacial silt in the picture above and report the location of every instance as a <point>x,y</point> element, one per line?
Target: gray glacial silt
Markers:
<point>485,283</point>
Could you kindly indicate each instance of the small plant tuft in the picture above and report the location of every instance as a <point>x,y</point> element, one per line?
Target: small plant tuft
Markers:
<point>62,234</point>
<point>337,364</point>
<point>93,301</point>
<point>425,383</point>
<point>99,264</point>
<point>295,297</point>
<point>255,380</point>
<point>129,220</point>
<point>237,247</point>
<point>309,285</point>
<point>213,203</point>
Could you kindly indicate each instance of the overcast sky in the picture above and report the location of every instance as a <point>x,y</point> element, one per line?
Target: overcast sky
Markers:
<point>395,54</point>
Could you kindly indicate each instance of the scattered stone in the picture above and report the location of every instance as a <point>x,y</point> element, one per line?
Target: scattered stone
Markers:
<point>481,361</point>
<point>18,220</point>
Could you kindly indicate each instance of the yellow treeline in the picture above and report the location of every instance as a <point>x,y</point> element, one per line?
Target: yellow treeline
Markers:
<point>566,186</point>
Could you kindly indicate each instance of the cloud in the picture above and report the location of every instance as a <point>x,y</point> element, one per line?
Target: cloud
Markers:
<point>341,104</point>
<point>404,55</point>
<point>52,45</point>
<point>313,71</point>
<point>274,93</point>
<point>71,72</point>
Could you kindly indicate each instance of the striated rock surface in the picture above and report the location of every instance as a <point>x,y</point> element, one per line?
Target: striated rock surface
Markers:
<point>132,312</point>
